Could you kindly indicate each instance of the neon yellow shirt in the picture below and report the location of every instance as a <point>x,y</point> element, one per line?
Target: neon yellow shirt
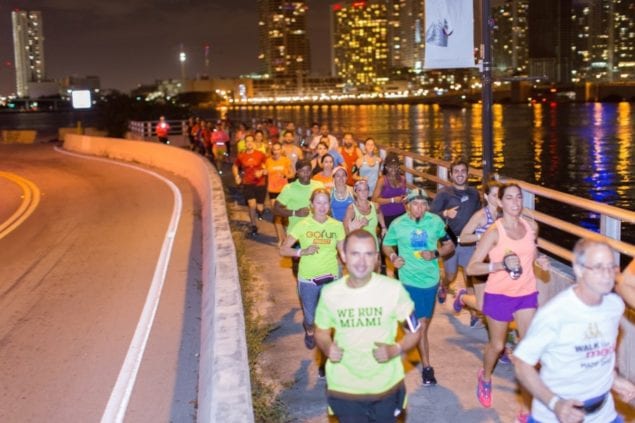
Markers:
<point>361,317</point>
<point>296,196</point>
<point>309,231</point>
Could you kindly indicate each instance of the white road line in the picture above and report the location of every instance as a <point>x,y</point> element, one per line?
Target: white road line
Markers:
<point>120,396</point>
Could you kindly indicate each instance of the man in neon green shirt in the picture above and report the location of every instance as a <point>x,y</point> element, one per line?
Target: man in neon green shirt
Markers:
<point>364,372</point>
<point>293,201</point>
<point>417,234</point>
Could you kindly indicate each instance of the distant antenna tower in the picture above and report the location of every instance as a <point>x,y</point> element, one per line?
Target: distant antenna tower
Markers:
<point>182,59</point>
<point>207,60</point>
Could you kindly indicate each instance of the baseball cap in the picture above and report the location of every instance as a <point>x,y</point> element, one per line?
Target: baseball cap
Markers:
<point>338,168</point>
<point>359,184</point>
<point>417,194</point>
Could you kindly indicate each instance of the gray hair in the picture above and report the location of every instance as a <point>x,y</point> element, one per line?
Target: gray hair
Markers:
<point>582,246</point>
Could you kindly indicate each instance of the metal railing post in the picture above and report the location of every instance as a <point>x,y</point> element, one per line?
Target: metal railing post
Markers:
<point>410,164</point>
<point>612,228</point>
<point>442,173</point>
<point>529,200</point>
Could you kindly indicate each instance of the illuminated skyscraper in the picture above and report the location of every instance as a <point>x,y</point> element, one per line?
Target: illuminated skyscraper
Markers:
<point>411,34</point>
<point>604,41</point>
<point>28,46</point>
<point>284,44</point>
<point>509,37</point>
<point>624,40</point>
<point>360,32</point>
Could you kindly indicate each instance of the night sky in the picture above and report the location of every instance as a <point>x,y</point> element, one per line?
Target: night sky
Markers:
<point>132,42</point>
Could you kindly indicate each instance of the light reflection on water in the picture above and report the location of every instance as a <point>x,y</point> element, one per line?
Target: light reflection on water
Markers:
<point>583,149</point>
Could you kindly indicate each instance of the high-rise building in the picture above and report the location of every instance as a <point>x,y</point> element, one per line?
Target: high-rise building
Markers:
<point>604,42</point>
<point>509,37</point>
<point>28,46</point>
<point>284,44</point>
<point>624,39</point>
<point>411,34</point>
<point>550,48</point>
<point>360,31</point>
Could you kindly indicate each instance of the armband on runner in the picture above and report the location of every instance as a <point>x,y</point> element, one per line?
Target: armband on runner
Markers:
<point>411,324</point>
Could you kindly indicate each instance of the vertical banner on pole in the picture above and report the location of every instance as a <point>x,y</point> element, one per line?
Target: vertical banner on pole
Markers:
<point>449,34</point>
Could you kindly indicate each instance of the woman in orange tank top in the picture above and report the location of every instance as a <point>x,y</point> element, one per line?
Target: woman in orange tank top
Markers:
<point>510,290</point>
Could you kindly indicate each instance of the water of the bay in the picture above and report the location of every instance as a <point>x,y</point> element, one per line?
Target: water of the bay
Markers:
<point>46,123</point>
<point>583,149</point>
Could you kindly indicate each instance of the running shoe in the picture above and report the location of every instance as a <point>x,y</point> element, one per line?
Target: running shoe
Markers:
<point>484,390</point>
<point>442,294</point>
<point>504,357</point>
<point>253,232</point>
<point>458,300</point>
<point>476,322</point>
<point>427,374</point>
<point>321,372</point>
<point>309,341</point>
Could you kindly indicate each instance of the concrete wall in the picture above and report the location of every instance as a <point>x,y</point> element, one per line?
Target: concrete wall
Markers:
<point>62,132</point>
<point>224,391</point>
<point>18,136</point>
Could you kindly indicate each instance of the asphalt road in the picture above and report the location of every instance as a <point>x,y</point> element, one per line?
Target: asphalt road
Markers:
<point>74,277</point>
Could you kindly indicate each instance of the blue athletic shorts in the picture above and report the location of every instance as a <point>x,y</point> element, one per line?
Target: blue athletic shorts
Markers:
<point>424,299</point>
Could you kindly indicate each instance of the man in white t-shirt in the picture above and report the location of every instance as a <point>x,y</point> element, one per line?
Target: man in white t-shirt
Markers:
<point>573,337</point>
<point>324,132</point>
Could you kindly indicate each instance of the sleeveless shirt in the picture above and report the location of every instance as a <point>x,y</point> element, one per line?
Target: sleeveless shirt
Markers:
<point>480,230</point>
<point>338,207</point>
<point>371,173</point>
<point>500,282</point>
<point>388,191</point>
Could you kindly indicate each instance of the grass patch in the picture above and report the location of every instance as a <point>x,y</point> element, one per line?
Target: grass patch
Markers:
<point>267,405</point>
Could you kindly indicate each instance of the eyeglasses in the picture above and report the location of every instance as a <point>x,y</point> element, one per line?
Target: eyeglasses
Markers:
<point>601,268</point>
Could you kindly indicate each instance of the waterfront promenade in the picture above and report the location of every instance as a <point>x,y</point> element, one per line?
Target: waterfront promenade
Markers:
<point>456,349</point>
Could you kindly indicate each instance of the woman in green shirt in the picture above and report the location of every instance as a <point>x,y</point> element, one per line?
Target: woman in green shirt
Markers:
<point>320,238</point>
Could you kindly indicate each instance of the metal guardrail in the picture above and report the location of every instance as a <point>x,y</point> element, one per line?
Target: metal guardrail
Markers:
<point>611,218</point>
<point>146,130</point>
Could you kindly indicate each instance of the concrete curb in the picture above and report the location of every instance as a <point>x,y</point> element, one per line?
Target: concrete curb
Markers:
<point>224,388</point>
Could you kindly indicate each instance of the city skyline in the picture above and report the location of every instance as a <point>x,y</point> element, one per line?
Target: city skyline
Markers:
<point>127,44</point>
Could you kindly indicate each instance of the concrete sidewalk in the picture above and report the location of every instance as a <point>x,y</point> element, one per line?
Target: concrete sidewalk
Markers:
<point>456,349</point>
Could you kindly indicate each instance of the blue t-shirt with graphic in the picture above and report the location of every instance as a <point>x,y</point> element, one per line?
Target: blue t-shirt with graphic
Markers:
<point>411,238</point>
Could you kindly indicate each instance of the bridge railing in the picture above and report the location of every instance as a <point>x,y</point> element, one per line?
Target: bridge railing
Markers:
<point>146,130</point>
<point>432,173</point>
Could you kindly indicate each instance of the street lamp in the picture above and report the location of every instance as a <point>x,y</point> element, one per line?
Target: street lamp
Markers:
<point>182,60</point>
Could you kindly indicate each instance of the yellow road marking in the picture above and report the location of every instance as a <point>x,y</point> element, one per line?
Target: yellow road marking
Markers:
<point>30,201</point>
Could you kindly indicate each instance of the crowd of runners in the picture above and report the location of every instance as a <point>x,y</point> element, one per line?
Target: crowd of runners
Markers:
<point>373,257</point>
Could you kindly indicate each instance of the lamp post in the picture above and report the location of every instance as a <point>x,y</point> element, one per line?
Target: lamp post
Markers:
<point>486,77</point>
<point>182,59</point>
